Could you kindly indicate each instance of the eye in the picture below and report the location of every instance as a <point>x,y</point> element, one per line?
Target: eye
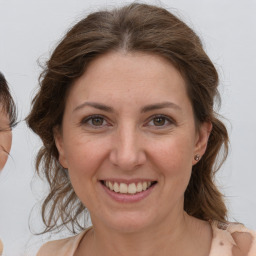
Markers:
<point>94,121</point>
<point>160,121</point>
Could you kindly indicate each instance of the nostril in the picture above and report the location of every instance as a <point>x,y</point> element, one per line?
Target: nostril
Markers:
<point>127,161</point>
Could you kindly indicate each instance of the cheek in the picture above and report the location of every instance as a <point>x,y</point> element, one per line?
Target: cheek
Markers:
<point>6,140</point>
<point>3,159</point>
<point>84,156</point>
<point>173,157</point>
<point>5,147</point>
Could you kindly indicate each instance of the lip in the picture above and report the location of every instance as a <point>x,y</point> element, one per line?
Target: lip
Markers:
<point>126,181</point>
<point>128,198</point>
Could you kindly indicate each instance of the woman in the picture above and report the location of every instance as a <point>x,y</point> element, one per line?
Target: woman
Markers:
<point>7,121</point>
<point>125,113</point>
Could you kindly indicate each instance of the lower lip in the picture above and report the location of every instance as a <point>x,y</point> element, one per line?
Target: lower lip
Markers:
<point>128,198</point>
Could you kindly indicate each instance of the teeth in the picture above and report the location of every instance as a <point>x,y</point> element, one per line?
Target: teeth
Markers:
<point>116,187</point>
<point>132,188</point>
<point>123,188</point>
<point>144,185</point>
<point>139,187</point>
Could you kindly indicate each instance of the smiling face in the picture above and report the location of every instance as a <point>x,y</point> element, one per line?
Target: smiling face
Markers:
<point>128,139</point>
<point>5,138</point>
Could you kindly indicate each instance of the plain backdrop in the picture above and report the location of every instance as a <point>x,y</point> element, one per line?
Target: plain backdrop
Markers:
<point>29,30</point>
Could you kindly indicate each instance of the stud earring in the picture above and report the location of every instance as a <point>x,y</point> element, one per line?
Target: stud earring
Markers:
<point>197,157</point>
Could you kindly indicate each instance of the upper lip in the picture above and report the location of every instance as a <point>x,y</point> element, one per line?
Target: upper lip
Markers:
<point>127,181</point>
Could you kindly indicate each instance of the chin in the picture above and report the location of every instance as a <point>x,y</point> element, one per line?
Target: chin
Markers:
<point>130,222</point>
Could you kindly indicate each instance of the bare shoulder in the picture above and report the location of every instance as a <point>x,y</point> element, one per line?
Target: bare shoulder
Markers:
<point>63,247</point>
<point>245,241</point>
<point>53,248</point>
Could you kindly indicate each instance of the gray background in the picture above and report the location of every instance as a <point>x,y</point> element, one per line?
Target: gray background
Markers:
<point>29,30</point>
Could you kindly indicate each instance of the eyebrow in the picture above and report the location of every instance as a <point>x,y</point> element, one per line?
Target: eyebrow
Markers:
<point>161,105</point>
<point>146,108</point>
<point>94,105</point>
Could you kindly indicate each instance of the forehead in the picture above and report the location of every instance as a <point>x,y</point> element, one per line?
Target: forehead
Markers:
<point>135,75</point>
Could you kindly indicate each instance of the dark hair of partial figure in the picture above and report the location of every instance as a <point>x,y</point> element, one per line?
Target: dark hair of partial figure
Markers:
<point>132,28</point>
<point>6,103</point>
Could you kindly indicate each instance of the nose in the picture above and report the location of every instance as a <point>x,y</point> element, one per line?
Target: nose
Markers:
<point>127,149</point>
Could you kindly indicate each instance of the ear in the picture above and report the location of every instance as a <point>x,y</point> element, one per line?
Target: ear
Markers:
<point>202,137</point>
<point>58,138</point>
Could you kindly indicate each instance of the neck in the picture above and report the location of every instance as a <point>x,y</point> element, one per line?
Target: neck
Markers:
<point>176,238</point>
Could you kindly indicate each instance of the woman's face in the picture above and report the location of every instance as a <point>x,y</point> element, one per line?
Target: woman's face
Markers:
<point>5,138</point>
<point>128,139</point>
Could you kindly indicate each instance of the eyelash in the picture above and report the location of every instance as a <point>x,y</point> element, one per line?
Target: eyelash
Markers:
<point>88,121</point>
<point>164,117</point>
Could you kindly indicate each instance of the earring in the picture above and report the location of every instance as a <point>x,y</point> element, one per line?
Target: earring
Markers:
<point>197,157</point>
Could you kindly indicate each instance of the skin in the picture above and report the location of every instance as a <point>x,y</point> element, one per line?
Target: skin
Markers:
<point>5,138</point>
<point>128,143</point>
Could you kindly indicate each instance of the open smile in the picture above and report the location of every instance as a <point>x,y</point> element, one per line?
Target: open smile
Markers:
<point>128,188</point>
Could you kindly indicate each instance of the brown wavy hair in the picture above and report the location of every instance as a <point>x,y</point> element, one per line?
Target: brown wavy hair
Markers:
<point>132,28</point>
<point>7,104</point>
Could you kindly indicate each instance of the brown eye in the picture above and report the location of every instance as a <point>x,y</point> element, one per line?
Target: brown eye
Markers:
<point>94,121</point>
<point>159,121</point>
<point>97,121</point>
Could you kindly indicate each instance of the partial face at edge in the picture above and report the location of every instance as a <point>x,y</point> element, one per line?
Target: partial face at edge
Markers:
<point>128,119</point>
<point>5,138</point>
